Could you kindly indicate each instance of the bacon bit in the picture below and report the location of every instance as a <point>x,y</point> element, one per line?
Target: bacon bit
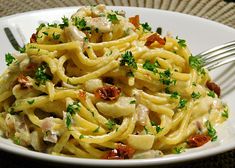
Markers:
<point>23,81</point>
<point>213,87</point>
<point>108,92</point>
<point>33,38</point>
<point>121,152</point>
<point>82,95</point>
<point>155,37</point>
<point>198,140</point>
<point>135,21</point>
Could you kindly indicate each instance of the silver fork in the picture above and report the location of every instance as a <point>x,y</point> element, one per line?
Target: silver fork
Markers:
<point>218,56</point>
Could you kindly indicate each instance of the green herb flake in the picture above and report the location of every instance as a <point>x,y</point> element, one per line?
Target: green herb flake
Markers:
<point>146,27</point>
<point>130,74</point>
<point>158,128</point>
<point>146,130</point>
<point>40,27</point>
<point>128,59</point>
<point>110,124</point>
<point>211,94</point>
<point>112,18</point>
<point>225,112</point>
<point>181,42</point>
<point>68,120</point>
<point>72,108</point>
<point>41,75</point>
<point>65,22</point>
<point>175,95</point>
<point>22,49</point>
<point>80,23</point>
<point>195,95</point>
<point>45,33</point>
<point>85,39</point>
<point>81,136</point>
<point>151,67</point>
<point>182,103</point>
<point>30,101</point>
<point>55,36</point>
<point>133,102</point>
<point>97,129</point>
<point>178,150</point>
<point>52,25</point>
<point>16,140</point>
<point>159,30</point>
<point>211,131</point>
<point>9,59</point>
<point>197,64</point>
<point>165,78</point>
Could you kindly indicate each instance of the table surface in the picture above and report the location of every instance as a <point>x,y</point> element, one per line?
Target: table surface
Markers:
<point>217,10</point>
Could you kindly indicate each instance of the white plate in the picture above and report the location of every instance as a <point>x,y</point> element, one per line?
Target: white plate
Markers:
<point>199,33</point>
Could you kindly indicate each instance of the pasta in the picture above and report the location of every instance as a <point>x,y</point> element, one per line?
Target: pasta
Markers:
<point>98,85</point>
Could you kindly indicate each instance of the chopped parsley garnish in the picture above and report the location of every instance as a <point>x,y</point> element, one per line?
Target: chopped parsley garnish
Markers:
<point>146,26</point>
<point>146,130</point>
<point>40,27</point>
<point>110,124</point>
<point>16,140</point>
<point>178,150</point>
<point>41,75</point>
<point>65,22</point>
<point>151,67</point>
<point>158,128</point>
<point>68,120</point>
<point>165,78</point>
<point>211,131</point>
<point>55,36</point>
<point>22,49</point>
<point>71,110</point>
<point>159,30</point>
<point>181,42</point>
<point>175,95</point>
<point>97,129</point>
<point>30,101</point>
<point>195,95</point>
<point>112,18</point>
<point>81,136</point>
<point>182,103</point>
<point>196,63</point>
<point>85,39</point>
<point>225,112</point>
<point>130,74</point>
<point>9,59</point>
<point>194,84</point>
<point>211,94</point>
<point>52,25</point>
<point>80,23</point>
<point>128,59</point>
<point>133,102</point>
<point>45,33</point>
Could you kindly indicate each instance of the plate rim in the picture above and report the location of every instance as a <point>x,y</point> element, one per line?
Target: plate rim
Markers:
<point>95,162</point>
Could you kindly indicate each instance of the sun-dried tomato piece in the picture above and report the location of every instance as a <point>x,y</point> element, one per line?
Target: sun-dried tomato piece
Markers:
<point>198,140</point>
<point>33,38</point>
<point>108,92</point>
<point>135,20</point>
<point>155,37</point>
<point>121,152</point>
<point>213,87</point>
<point>23,81</point>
